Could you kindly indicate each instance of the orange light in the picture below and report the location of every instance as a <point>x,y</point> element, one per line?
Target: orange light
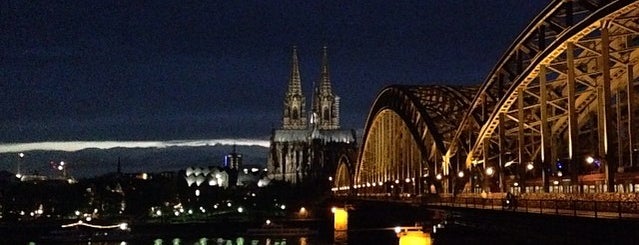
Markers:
<point>414,238</point>
<point>341,219</point>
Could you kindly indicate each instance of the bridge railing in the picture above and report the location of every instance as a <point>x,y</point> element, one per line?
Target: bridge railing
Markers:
<point>577,208</point>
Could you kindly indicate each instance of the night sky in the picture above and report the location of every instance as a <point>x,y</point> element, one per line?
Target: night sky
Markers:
<point>174,70</point>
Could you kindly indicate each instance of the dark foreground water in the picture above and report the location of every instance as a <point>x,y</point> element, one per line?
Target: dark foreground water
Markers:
<point>353,237</point>
<point>443,236</point>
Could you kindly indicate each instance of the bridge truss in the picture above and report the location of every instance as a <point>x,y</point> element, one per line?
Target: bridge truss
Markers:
<point>557,113</point>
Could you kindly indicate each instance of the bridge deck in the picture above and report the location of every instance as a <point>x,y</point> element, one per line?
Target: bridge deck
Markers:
<point>599,209</point>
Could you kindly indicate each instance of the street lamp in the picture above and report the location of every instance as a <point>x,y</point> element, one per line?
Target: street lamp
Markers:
<point>490,171</point>
<point>530,166</point>
<point>460,174</point>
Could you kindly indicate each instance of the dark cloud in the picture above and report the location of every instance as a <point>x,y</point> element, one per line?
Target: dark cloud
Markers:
<point>95,70</point>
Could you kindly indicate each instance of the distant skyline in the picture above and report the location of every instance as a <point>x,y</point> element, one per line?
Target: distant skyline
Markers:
<point>96,71</point>
<point>72,146</point>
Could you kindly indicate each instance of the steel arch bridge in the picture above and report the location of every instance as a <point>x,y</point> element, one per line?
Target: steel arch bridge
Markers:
<point>557,113</point>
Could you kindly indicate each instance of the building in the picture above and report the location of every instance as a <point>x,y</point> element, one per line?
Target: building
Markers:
<point>233,160</point>
<point>307,145</point>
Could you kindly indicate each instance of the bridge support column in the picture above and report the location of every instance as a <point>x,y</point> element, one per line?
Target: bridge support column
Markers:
<point>573,126</point>
<point>545,130</point>
<point>502,151</point>
<point>521,169</point>
<point>630,93</point>
<point>606,146</point>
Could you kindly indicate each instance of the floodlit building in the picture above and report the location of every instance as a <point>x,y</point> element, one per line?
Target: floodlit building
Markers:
<point>233,160</point>
<point>307,145</point>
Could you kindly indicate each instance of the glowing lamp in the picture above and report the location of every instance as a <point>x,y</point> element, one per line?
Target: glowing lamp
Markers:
<point>460,174</point>
<point>438,176</point>
<point>530,166</point>
<point>341,219</point>
<point>414,238</point>
<point>490,171</point>
<point>123,226</point>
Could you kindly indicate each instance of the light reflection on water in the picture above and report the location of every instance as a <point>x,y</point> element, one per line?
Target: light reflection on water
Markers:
<point>203,241</point>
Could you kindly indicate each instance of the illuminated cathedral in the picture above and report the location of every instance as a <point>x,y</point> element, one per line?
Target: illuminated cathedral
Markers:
<point>309,142</point>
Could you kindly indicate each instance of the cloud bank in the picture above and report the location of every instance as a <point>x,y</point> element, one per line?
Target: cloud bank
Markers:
<point>72,146</point>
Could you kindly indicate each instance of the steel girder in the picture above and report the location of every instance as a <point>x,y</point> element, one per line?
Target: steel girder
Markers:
<point>567,78</point>
<point>429,114</point>
<point>542,44</point>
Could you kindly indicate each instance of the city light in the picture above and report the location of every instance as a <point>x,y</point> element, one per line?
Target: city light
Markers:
<point>590,160</point>
<point>340,217</point>
<point>438,176</point>
<point>460,174</point>
<point>530,166</point>
<point>490,171</point>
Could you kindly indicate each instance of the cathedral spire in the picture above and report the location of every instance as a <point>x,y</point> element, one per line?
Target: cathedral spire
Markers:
<point>325,80</point>
<point>294,103</point>
<point>325,102</point>
<point>295,82</point>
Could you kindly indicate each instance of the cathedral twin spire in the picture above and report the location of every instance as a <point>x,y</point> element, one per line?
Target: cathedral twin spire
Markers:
<point>325,104</point>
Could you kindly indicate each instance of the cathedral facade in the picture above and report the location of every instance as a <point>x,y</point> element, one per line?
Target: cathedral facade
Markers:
<point>308,144</point>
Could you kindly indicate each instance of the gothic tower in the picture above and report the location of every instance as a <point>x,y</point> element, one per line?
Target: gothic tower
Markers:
<point>294,102</point>
<point>325,103</point>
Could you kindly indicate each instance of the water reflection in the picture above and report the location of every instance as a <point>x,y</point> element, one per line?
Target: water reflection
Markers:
<point>204,241</point>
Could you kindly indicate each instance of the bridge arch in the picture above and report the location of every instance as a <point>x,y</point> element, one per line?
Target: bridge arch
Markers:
<point>343,181</point>
<point>564,90</point>
<point>407,131</point>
